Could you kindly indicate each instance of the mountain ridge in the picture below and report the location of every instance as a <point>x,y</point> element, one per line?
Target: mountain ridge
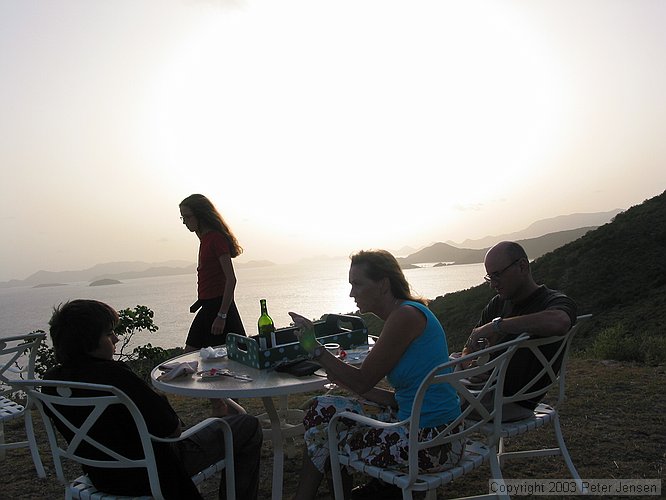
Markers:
<point>535,248</point>
<point>544,226</point>
<point>140,269</point>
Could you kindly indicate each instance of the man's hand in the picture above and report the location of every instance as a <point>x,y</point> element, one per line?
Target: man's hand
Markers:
<point>480,338</point>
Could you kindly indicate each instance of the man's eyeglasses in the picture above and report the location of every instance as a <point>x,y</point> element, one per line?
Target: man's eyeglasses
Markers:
<point>498,274</point>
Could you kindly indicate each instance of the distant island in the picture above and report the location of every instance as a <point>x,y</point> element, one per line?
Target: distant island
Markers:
<point>405,265</point>
<point>106,281</point>
<point>254,263</point>
<point>118,271</point>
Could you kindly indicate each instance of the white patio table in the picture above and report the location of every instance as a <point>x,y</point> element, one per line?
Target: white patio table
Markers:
<point>264,384</point>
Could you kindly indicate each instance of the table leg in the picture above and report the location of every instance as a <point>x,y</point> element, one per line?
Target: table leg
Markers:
<point>281,426</point>
<point>278,447</point>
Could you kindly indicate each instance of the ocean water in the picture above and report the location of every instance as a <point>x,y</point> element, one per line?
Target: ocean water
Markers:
<point>311,289</point>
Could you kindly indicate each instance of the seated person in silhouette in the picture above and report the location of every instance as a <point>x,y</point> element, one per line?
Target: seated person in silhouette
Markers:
<point>519,306</point>
<point>82,332</point>
<point>411,343</point>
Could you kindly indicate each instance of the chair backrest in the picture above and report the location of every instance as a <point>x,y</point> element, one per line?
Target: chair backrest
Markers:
<point>553,367</point>
<point>77,406</point>
<point>18,355</point>
<point>474,383</point>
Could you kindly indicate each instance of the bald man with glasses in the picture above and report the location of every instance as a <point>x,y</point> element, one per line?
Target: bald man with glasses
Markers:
<point>519,306</point>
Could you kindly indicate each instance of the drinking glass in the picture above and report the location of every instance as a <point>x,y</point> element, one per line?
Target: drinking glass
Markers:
<point>334,349</point>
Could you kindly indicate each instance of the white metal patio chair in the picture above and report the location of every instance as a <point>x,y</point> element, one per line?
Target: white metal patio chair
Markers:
<point>50,407</point>
<point>544,414</point>
<point>17,357</point>
<point>476,452</point>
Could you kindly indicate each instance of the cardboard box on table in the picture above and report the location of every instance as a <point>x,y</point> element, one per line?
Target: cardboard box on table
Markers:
<point>346,330</point>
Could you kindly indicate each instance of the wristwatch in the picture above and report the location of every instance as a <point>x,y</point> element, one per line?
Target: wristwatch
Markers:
<point>497,325</point>
<point>222,315</point>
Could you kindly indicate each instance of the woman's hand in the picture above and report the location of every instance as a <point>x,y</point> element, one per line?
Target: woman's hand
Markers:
<point>217,327</point>
<point>301,322</point>
<point>305,332</point>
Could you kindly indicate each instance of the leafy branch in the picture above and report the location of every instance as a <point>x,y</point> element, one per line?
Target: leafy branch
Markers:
<point>131,322</point>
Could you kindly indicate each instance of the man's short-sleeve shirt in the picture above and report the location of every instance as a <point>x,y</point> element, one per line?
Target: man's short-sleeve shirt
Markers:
<point>524,366</point>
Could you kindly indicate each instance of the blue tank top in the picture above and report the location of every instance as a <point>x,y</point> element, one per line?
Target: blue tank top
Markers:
<point>441,404</point>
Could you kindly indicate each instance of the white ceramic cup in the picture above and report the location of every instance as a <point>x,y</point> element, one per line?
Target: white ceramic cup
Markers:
<point>334,349</point>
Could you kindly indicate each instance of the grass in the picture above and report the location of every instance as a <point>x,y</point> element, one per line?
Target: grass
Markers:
<point>614,423</point>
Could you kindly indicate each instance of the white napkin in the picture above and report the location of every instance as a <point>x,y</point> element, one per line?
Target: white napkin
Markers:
<point>175,369</point>
<point>212,352</point>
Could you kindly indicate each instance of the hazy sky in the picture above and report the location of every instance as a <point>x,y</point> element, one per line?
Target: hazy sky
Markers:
<point>318,127</point>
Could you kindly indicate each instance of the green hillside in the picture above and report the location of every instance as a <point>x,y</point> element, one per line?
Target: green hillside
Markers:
<point>616,272</point>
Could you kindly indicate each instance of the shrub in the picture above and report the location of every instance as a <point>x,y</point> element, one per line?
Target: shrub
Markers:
<point>147,357</point>
<point>654,348</point>
<point>45,357</point>
<point>616,343</point>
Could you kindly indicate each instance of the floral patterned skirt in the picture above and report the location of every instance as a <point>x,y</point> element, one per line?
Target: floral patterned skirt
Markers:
<point>385,448</point>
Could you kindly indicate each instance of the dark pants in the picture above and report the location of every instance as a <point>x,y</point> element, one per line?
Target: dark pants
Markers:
<point>200,336</point>
<point>207,446</point>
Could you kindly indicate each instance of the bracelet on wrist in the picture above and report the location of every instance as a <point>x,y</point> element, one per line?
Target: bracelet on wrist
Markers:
<point>222,315</point>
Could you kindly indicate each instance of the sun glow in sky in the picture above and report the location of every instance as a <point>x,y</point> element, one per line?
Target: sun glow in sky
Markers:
<point>318,127</point>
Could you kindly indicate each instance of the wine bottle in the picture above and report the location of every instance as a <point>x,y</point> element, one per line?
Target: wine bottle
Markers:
<point>266,327</point>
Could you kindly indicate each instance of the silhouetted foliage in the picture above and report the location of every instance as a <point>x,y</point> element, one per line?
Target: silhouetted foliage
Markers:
<point>132,321</point>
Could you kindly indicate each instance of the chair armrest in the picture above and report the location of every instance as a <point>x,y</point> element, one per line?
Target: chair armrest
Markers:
<point>195,428</point>
<point>371,422</point>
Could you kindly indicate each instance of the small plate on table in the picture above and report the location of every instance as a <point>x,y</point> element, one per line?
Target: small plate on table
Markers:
<point>213,353</point>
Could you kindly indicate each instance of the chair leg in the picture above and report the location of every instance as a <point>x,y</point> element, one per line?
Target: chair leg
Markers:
<point>32,442</point>
<point>500,452</point>
<point>3,453</point>
<point>565,455</point>
<point>561,450</point>
<point>496,472</point>
<point>336,479</point>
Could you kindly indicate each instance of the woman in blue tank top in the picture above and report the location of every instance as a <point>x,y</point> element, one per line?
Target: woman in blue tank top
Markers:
<point>412,342</point>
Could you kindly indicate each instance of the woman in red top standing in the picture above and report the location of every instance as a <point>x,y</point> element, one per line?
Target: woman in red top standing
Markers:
<point>216,279</point>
